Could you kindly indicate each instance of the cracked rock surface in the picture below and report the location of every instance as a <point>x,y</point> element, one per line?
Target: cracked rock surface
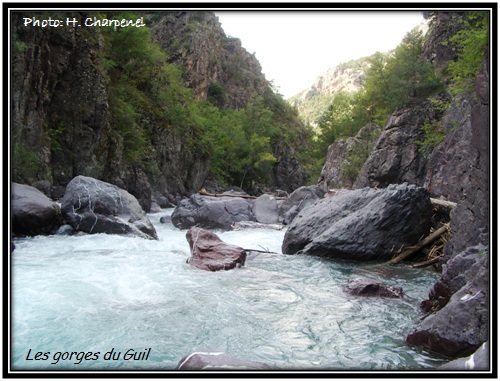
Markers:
<point>93,206</point>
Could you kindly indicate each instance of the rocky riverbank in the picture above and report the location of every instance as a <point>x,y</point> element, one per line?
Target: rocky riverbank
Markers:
<point>363,224</point>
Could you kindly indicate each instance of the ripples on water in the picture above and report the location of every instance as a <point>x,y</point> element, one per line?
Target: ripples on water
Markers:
<point>93,293</point>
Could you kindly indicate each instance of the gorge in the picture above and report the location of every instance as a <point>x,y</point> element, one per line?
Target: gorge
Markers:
<point>157,114</point>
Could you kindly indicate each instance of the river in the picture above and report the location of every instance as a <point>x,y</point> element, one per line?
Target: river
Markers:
<point>107,295</point>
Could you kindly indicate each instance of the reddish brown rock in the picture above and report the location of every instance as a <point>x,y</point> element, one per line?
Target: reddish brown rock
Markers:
<point>209,252</point>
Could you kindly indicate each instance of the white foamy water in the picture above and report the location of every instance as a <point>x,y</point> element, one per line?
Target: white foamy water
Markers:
<point>95,293</point>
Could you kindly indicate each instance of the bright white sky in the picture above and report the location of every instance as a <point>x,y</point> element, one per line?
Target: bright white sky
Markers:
<point>295,47</point>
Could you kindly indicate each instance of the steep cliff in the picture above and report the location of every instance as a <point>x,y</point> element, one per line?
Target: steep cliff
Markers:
<point>196,42</point>
<point>96,102</point>
<point>222,72</point>
<point>443,144</point>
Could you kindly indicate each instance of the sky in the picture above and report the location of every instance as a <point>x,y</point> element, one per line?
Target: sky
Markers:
<point>295,47</point>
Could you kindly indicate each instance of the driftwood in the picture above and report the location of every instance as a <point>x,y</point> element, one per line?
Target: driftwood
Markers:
<point>446,205</point>
<point>203,192</point>
<point>426,263</point>
<point>408,252</point>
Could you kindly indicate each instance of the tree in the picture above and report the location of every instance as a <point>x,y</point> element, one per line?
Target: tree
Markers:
<point>472,42</point>
<point>411,75</point>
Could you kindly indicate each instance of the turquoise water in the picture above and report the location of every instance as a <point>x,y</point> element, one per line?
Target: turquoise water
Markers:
<point>103,302</point>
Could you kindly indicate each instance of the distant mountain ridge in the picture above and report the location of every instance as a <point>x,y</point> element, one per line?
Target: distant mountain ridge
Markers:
<point>346,77</point>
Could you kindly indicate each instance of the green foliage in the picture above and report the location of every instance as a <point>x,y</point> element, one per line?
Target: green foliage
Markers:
<point>55,134</point>
<point>393,80</point>
<point>377,87</point>
<point>434,134</point>
<point>17,46</point>
<point>146,92</point>
<point>472,42</point>
<point>434,131</point>
<point>216,95</point>
<point>25,163</point>
<point>346,115</point>
<point>358,154</point>
<point>400,78</point>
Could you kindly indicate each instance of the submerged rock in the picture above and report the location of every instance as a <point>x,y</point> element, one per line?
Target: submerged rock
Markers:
<point>94,206</point>
<point>365,287</point>
<point>217,361</point>
<point>363,224</point>
<point>209,252</point>
<point>33,213</point>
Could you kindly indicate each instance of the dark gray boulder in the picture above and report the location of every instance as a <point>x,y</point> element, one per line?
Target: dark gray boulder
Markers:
<point>33,213</point>
<point>217,361</point>
<point>365,287</point>
<point>458,306</point>
<point>265,209</point>
<point>212,212</point>
<point>166,220</point>
<point>362,224</point>
<point>300,199</point>
<point>94,206</point>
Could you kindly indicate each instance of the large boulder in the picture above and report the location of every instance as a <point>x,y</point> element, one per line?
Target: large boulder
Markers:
<point>458,320</point>
<point>33,213</point>
<point>217,361</point>
<point>212,212</point>
<point>362,224</point>
<point>94,206</point>
<point>265,209</point>
<point>300,199</point>
<point>209,252</point>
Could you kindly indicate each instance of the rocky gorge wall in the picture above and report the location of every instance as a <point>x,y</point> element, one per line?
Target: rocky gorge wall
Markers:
<point>61,108</point>
<point>457,169</point>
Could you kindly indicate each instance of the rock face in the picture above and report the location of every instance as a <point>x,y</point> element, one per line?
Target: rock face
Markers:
<point>459,307</point>
<point>64,111</point>
<point>62,120</point>
<point>209,252</point>
<point>363,224</point>
<point>94,206</point>
<point>461,169</point>
<point>212,212</point>
<point>197,42</point>
<point>314,101</point>
<point>217,361</point>
<point>443,25</point>
<point>333,174</point>
<point>364,287</point>
<point>458,303</point>
<point>33,213</point>
<point>396,157</point>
